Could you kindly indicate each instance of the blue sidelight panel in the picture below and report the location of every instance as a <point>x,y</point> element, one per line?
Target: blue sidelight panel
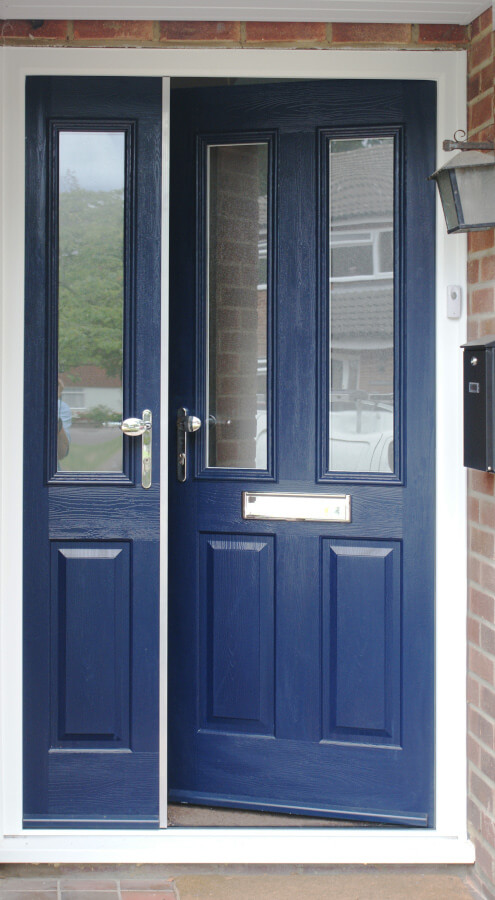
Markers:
<point>91,538</point>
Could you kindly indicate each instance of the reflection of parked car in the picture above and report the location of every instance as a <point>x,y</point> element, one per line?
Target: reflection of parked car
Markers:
<point>361,432</point>
<point>361,436</point>
<point>261,457</point>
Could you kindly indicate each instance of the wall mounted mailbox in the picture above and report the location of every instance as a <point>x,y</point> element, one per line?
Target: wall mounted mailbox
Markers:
<point>479,399</point>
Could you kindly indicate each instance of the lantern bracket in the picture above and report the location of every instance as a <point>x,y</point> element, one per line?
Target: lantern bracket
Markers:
<point>459,144</point>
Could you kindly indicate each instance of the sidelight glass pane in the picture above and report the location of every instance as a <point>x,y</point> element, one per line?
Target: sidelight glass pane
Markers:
<point>361,291</point>
<point>90,300</point>
<point>237,254</point>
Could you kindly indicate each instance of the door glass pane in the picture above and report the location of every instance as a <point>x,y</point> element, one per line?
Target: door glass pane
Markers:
<point>237,256</point>
<point>361,290</point>
<point>90,300</point>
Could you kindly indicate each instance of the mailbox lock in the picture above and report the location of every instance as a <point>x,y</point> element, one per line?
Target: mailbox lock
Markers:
<point>474,360</point>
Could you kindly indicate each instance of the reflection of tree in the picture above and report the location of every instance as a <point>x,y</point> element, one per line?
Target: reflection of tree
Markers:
<point>91,236</point>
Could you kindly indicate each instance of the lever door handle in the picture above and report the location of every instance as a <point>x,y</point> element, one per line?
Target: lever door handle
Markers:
<point>186,424</point>
<point>141,428</point>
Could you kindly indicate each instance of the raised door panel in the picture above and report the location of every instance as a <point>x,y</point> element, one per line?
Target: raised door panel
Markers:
<point>90,646</point>
<point>361,614</point>
<point>236,633</point>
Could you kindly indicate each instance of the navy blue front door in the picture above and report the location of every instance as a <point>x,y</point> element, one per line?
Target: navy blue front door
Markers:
<point>302,324</point>
<point>91,550</point>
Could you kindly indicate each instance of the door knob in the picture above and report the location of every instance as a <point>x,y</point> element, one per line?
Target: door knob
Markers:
<point>135,427</point>
<point>186,424</point>
<point>141,428</point>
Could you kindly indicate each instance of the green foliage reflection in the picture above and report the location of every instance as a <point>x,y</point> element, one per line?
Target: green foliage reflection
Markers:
<point>91,277</point>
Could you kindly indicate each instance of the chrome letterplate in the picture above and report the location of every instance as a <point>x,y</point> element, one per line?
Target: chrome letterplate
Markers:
<point>297,507</point>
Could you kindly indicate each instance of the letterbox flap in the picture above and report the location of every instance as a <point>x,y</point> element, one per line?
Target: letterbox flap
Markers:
<point>482,343</point>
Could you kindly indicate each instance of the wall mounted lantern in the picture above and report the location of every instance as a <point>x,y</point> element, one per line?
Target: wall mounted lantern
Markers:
<point>467,186</point>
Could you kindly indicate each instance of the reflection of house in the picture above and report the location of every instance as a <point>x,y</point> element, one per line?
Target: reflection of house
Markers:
<point>361,276</point>
<point>88,386</point>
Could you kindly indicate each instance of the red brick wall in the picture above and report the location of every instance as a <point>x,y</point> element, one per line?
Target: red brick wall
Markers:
<point>233,305</point>
<point>481,502</point>
<point>478,38</point>
<point>323,35</point>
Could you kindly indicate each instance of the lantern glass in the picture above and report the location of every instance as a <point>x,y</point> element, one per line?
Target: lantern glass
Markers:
<point>446,180</point>
<point>467,190</point>
<point>476,189</point>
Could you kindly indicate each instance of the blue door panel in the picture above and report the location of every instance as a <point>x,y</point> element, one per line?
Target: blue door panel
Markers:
<point>91,543</point>
<point>361,647</point>
<point>91,648</point>
<point>79,790</point>
<point>298,712</point>
<point>236,636</point>
<point>295,779</point>
<point>351,661</point>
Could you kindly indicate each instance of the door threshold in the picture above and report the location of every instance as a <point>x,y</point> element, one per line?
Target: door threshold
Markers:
<point>339,814</point>
<point>181,815</point>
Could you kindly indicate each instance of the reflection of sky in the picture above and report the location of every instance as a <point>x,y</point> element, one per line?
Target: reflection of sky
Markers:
<point>96,159</point>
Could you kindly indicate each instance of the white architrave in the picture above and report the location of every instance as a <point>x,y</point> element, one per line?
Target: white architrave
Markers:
<point>434,11</point>
<point>448,842</point>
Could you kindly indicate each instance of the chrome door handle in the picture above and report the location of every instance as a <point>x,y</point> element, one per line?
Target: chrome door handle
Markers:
<point>186,424</point>
<point>141,428</point>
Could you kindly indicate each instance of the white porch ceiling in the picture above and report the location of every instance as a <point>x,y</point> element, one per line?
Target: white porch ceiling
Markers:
<point>419,11</point>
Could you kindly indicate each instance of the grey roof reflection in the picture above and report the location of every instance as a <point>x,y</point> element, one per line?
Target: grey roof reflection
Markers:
<point>362,183</point>
<point>363,310</point>
<point>361,191</point>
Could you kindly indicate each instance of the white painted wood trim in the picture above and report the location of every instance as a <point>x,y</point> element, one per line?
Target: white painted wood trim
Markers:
<point>11,388</point>
<point>296,846</point>
<point>462,11</point>
<point>2,432</point>
<point>448,842</point>
<point>164,451</point>
<point>451,502</point>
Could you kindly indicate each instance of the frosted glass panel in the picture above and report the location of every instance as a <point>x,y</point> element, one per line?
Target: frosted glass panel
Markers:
<point>90,300</point>
<point>361,291</point>
<point>237,306</point>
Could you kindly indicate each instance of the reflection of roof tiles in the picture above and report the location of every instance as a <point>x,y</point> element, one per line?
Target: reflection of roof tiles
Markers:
<point>362,182</point>
<point>89,376</point>
<point>362,309</point>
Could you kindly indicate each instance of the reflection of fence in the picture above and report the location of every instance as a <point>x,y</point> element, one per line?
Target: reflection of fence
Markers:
<point>350,397</point>
<point>365,412</point>
<point>361,432</point>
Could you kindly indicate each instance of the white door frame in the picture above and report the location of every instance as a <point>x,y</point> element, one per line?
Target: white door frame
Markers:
<point>448,842</point>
